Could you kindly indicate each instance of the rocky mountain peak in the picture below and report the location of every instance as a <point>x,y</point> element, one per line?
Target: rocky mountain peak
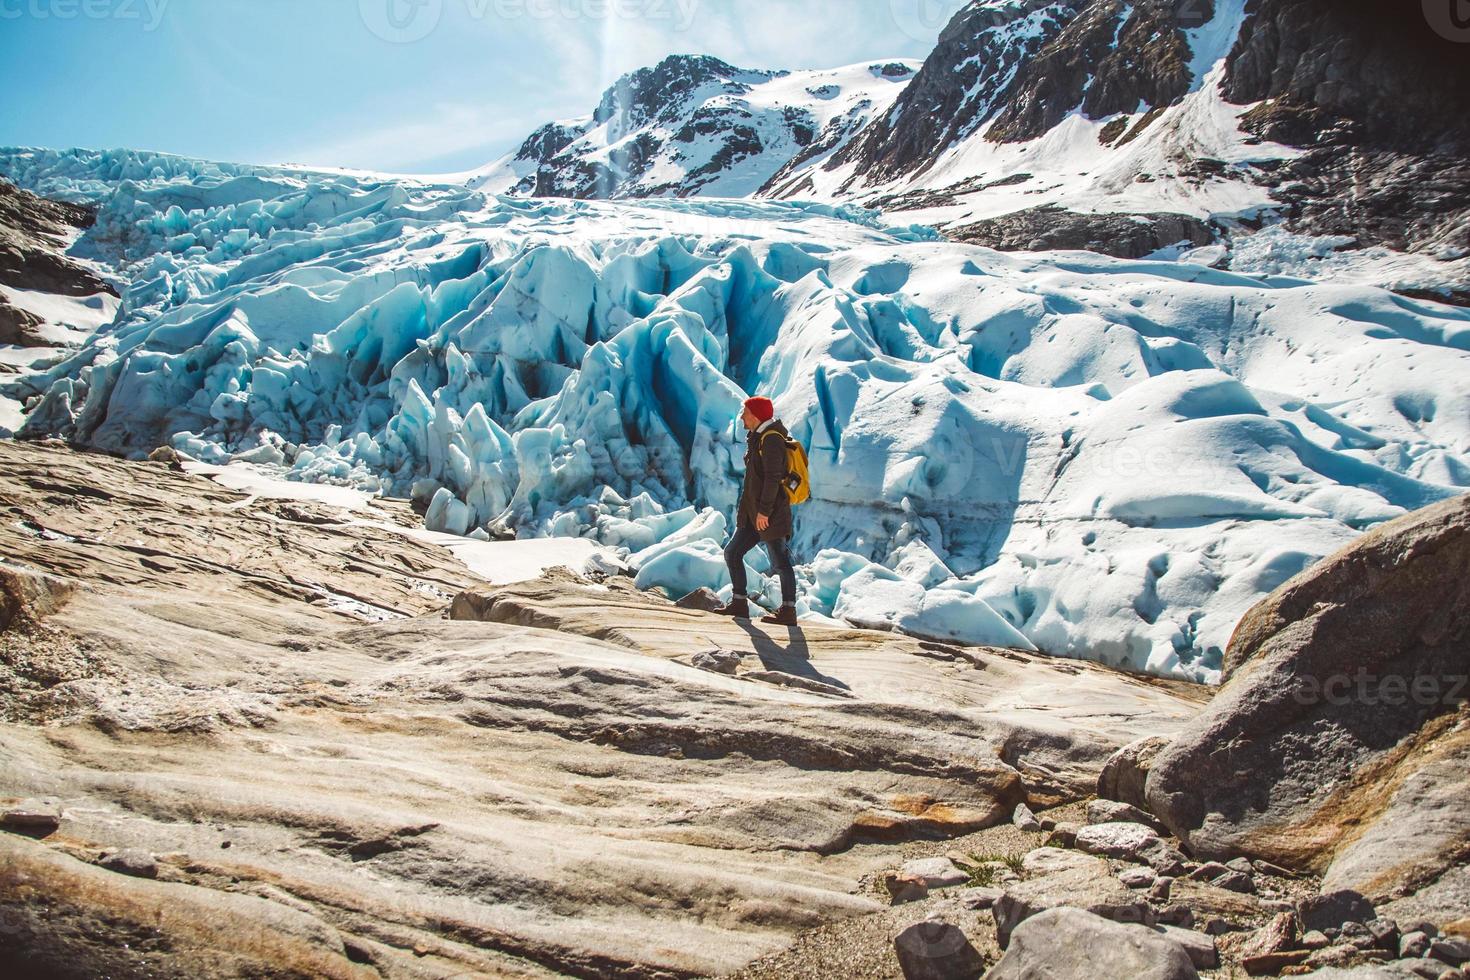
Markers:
<point>651,94</point>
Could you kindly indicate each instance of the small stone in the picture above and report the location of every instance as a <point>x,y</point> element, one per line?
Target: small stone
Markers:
<point>1064,834</point>
<point>1271,870</point>
<point>1162,886</point>
<point>1047,823</point>
<point>1137,877</point>
<point>1024,819</point>
<point>1333,956</point>
<point>1271,964</point>
<point>1385,933</point>
<point>939,872</point>
<point>1208,871</point>
<point>1203,952</point>
<point>167,455</point>
<point>962,860</point>
<point>903,888</point>
<point>1242,865</point>
<point>937,950</point>
<point>1216,926</point>
<point>1111,811</point>
<point>1432,969</point>
<point>1276,936</point>
<point>979,898</point>
<point>1453,950</point>
<point>1176,915</point>
<point>1421,925</point>
<point>718,661</point>
<point>1330,911</point>
<point>1116,840</point>
<point>1165,859</point>
<point>33,818</point>
<point>129,861</point>
<point>702,599</point>
<point>1315,940</point>
<point>1234,881</point>
<point>1413,945</point>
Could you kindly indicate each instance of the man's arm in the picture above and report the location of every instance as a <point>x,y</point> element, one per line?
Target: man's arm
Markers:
<point>773,467</point>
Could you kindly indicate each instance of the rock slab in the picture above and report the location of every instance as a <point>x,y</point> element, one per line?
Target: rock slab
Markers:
<point>1071,944</point>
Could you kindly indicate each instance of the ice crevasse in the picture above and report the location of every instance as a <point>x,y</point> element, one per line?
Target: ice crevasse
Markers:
<point>1096,458</point>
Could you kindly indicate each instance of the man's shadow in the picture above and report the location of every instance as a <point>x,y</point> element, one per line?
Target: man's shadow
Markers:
<point>794,658</point>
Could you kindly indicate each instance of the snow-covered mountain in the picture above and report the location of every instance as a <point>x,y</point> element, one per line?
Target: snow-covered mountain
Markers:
<point>696,125</point>
<point>1307,137</point>
<point>1095,457</point>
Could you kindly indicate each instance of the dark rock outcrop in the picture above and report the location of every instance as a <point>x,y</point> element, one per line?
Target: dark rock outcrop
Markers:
<point>33,233</point>
<point>1381,102</point>
<point>1341,741</point>
<point>958,90</point>
<point>1128,236</point>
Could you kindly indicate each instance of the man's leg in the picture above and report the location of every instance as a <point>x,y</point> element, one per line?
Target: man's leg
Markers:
<point>780,552</point>
<point>740,544</point>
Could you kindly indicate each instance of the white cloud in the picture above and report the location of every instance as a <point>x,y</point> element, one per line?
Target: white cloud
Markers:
<point>411,146</point>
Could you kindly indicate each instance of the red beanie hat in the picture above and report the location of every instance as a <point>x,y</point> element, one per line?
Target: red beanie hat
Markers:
<point>761,408</point>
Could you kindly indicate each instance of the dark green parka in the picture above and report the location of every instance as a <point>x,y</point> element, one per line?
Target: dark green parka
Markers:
<point>763,493</point>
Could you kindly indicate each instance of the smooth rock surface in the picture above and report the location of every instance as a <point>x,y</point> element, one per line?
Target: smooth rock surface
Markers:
<point>938,872</point>
<point>1070,944</point>
<point>1124,776</point>
<point>265,694</point>
<point>1111,811</point>
<point>1117,840</point>
<point>1202,950</point>
<point>937,950</point>
<point>1348,744</point>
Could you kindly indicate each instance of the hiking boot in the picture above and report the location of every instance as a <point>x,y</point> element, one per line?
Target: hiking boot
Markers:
<point>785,616</point>
<point>739,607</point>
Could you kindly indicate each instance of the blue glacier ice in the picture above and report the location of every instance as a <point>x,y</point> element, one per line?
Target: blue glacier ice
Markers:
<point>1092,457</point>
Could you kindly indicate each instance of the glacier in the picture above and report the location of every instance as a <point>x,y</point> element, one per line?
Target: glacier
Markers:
<point>1095,458</point>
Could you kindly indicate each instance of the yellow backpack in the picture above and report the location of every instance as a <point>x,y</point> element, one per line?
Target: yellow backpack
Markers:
<point>798,483</point>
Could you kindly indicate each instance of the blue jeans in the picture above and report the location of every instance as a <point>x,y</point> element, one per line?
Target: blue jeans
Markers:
<point>740,544</point>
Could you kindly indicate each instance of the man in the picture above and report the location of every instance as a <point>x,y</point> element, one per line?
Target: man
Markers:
<point>765,512</point>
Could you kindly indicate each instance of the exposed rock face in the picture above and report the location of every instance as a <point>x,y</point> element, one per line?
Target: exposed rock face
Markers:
<point>1381,101</point>
<point>33,236</point>
<point>694,124</point>
<point>33,233</point>
<point>958,90</point>
<point>1341,742</point>
<point>1382,69</point>
<point>1070,944</point>
<point>1110,58</point>
<point>1124,775</point>
<point>256,746</point>
<point>1128,236</point>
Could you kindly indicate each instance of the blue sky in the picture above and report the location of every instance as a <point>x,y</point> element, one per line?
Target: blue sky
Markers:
<point>418,86</point>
